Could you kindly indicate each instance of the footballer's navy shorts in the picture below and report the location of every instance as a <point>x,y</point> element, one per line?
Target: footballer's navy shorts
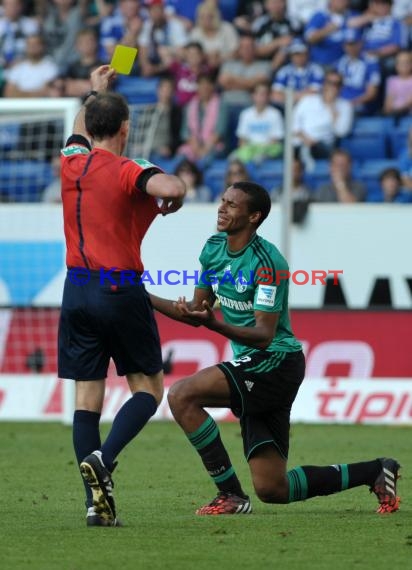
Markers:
<point>99,321</point>
<point>263,387</point>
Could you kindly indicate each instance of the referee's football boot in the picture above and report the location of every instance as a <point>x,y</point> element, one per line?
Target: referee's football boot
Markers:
<point>99,479</point>
<point>227,504</point>
<point>93,519</point>
<point>385,486</point>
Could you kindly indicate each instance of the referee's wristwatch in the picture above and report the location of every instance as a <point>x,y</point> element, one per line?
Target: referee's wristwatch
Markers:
<point>89,94</point>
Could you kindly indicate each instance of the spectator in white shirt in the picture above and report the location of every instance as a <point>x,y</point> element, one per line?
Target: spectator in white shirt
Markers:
<point>320,119</point>
<point>34,76</point>
<point>260,128</point>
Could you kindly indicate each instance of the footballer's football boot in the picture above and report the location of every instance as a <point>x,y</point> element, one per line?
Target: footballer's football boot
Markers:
<point>227,504</point>
<point>99,479</point>
<point>385,486</point>
<point>93,519</point>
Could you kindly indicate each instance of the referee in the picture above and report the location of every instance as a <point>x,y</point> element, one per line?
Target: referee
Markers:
<point>109,202</point>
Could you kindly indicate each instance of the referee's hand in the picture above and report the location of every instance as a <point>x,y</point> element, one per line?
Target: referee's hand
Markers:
<point>170,205</point>
<point>101,78</point>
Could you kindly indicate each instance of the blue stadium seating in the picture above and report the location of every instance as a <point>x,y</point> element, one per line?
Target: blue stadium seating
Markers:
<point>214,176</point>
<point>366,146</point>
<point>369,138</point>
<point>25,180</point>
<point>9,136</point>
<point>269,174</point>
<point>319,175</point>
<point>398,137</point>
<point>373,168</point>
<point>372,125</point>
<point>137,90</point>
<point>228,9</point>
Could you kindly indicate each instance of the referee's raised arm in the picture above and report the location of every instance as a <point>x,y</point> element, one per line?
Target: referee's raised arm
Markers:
<point>101,78</point>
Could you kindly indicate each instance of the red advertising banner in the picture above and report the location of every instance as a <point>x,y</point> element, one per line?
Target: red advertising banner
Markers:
<point>357,344</point>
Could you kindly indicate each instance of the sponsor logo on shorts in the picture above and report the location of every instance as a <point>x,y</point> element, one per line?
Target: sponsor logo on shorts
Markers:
<point>249,384</point>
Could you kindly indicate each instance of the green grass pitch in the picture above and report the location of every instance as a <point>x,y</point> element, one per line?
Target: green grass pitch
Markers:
<point>160,481</point>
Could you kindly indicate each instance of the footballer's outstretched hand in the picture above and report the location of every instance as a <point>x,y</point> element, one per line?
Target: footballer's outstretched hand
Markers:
<point>205,317</point>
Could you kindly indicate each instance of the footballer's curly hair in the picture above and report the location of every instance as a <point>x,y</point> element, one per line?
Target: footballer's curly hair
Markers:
<point>259,199</point>
<point>105,114</point>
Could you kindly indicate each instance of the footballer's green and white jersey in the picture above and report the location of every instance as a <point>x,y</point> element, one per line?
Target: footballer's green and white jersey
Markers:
<point>248,281</point>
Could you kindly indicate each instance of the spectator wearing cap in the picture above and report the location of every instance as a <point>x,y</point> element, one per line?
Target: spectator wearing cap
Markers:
<point>161,40</point>
<point>239,76</point>
<point>324,32</point>
<point>360,74</point>
<point>384,35</point>
<point>300,74</point>
<point>320,119</point>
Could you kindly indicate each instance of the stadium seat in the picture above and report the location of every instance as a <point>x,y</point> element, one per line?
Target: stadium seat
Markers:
<point>228,9</point>
<point>269,174</point>
<point>319,175</point>
<point>373,168</point>
<point>398,137</point>
<point>137,90</point>
<point>369,125</point>
<point>366,146</point>
<point>167,164</point>
<point>24,181</point>
<point>369,138</point>
<point>9,136</point>
<point>214,176</point>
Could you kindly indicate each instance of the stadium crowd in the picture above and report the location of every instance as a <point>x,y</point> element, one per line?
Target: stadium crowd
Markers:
<point>216,73</point>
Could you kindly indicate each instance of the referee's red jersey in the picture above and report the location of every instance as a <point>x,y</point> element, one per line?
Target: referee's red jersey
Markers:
<point>105,214</point>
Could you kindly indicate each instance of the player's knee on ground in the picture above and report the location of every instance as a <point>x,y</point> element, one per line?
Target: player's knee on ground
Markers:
<point>273,492</point>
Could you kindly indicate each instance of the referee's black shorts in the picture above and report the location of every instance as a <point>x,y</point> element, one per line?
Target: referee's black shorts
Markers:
<point>263,387</point>
<point>99,321</point>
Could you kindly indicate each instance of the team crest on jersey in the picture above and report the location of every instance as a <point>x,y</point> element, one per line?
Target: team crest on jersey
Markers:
<point>240,284</point>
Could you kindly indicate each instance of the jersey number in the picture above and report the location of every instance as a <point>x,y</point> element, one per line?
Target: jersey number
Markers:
<point>240,360</point>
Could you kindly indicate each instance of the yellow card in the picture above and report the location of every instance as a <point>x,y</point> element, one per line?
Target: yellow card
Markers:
<point>123,59</point>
